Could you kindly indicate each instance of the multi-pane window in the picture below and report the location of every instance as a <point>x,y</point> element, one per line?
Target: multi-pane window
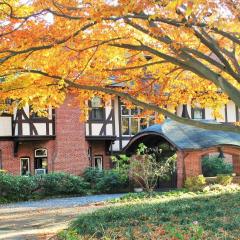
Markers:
<point>97,110</point>
<point>131,124</point>
<point>198,113</point>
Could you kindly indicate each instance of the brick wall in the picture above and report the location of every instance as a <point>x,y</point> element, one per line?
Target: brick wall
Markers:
<point>68,152</point>
<point>98,148</point>
<point>70,145</point>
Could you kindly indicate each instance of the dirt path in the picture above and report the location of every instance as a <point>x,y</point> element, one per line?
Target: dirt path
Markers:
<point>25,222</point>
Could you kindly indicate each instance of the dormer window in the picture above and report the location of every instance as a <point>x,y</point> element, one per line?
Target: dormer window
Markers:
<point>97,110</point>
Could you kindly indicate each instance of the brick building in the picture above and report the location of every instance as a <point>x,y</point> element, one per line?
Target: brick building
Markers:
<point>60,142</point>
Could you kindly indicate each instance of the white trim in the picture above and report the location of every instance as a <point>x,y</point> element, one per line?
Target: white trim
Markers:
<point>43,155</point>
<point>41,170</point>
<point>28,159</point>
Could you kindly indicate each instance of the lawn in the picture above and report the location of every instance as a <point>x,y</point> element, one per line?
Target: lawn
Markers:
<point>173,215</point>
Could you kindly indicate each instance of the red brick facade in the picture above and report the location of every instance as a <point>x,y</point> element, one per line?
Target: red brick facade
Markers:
<point>99,149</point>
<point>68,152</point>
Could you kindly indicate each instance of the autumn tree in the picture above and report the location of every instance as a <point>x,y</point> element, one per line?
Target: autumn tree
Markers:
<point>156,54</point>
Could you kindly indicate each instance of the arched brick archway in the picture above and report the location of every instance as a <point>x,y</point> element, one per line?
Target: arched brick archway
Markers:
<point>189,162</point>
<point>234,151</point>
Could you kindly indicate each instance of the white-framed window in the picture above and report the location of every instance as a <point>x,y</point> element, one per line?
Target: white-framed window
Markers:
<point>41,152</point>
<point>24,166</point>
<point>97,109</point>
<point>98,162</point>
<point>40,160</point>
<point>131,124</point>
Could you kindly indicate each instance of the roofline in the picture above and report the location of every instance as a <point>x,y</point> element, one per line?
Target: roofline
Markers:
<point>213,146</point>
<point>141,134</point>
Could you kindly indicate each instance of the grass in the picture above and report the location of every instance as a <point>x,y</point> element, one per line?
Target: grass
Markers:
<point>172,215</point>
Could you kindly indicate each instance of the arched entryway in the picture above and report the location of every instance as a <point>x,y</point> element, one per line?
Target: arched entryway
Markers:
<point>163,150</point>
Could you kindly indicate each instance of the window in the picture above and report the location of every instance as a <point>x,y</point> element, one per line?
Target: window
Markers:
<point>198,113</point>
<point>97,110</point>
<point>24,166</point>
<point>40,160</point>
<point>41,152</point>
<point>131,124</point>
<point>98,162</point>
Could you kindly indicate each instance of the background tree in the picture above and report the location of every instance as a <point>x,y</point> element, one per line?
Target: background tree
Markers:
<point>164,53</point>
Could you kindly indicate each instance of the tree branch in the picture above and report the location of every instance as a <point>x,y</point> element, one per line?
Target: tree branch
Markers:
<point>135,101</point>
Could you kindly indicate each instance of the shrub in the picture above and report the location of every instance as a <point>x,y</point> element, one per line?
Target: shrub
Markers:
<point>195,183</point>
<point>62,183</point>
<point>17,187</point>
<point>224,179</point>
<point>146,167</point>
<point>92,175</point>
<point>212,166</point>
<point>106,181</point>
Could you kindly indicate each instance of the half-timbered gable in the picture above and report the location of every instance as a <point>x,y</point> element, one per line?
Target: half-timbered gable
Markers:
<point>101,121</point>
<point>27,124</point>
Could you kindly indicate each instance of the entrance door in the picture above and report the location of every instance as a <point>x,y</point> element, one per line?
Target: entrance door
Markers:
<point>24,166</point>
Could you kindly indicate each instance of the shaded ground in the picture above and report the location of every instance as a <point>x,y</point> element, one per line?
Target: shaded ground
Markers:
<point>42,219</point>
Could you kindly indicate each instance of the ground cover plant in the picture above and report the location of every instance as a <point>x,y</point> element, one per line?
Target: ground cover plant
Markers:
<point>172,215</point>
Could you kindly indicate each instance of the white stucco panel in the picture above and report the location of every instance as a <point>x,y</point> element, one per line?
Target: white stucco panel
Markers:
<point>5,126</point>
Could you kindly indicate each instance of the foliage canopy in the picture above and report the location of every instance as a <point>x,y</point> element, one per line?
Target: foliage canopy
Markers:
<point>165,53</point>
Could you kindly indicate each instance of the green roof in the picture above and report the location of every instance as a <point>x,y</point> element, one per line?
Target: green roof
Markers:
<point>187,137</point>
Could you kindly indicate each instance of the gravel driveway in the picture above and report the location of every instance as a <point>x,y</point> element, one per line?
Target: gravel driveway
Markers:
<point>42,219</point>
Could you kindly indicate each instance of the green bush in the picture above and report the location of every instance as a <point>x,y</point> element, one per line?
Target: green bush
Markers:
<point>62,184</point>
<point>92,175</point>
<point>224,179</point>
<point>195,183</point>
<point>17,187</point>
<point>106,181</point>
<point>212,166</point>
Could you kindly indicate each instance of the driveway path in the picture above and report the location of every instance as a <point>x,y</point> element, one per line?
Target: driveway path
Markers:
<point>35,220</point>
